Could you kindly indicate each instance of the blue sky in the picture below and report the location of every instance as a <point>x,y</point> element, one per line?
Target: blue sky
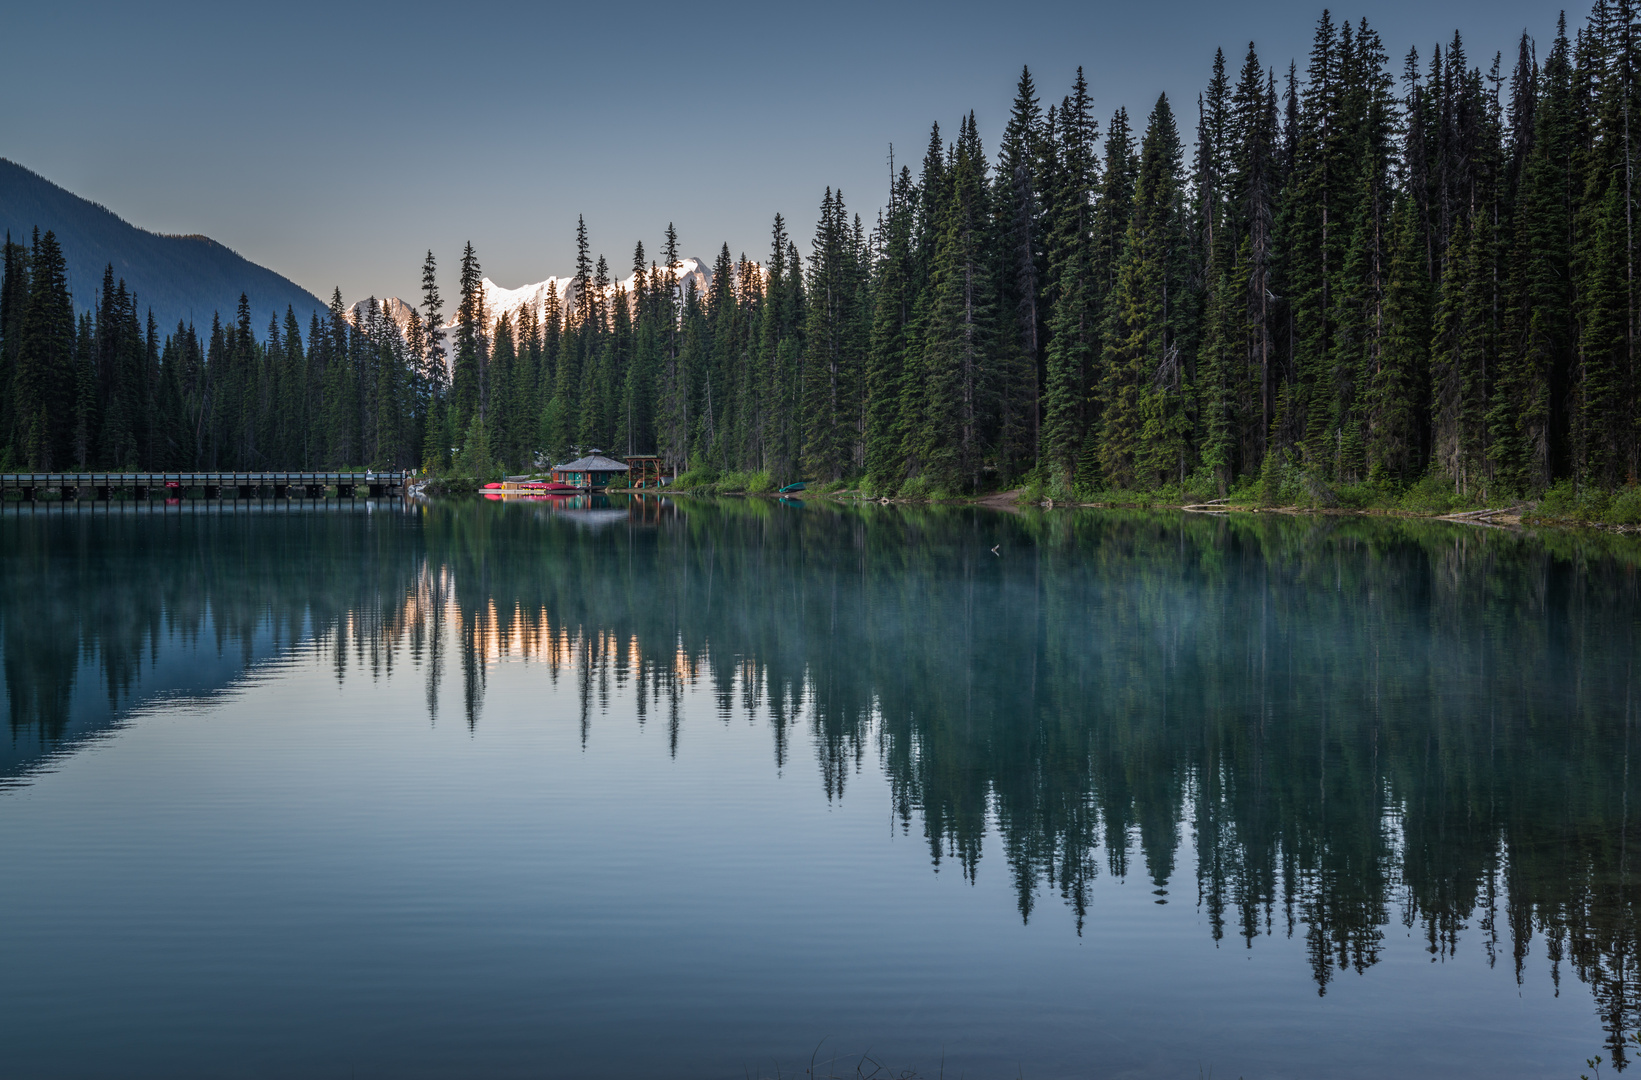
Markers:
<point>337,142</point>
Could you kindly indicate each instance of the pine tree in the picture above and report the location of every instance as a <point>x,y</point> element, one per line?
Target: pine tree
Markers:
<point>435,373</point>
<point>1539,329</point>
<point>1367,117</point>
<point>1398,369</point>
<point>1074,322</point>
<point>45,376</point>
<point>961,328</point>
<point>1602,437</point>
<point>393,411</point>
<point>1148,392</point>
<point>14,293</point>
<point>466,392</point>
<point>890,338</point>
<point>1113,213</point>
<point>341,403</point>
<point>1315,233</point>
<point>1020,181</point>
<point>292,402</point>
<point>499,420</point>
<point>85,394</point>
<point>833,360</point>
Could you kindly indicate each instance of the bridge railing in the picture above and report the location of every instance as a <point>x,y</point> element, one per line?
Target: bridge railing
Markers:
<point>211,485</point>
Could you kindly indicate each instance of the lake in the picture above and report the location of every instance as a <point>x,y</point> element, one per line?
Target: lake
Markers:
<point>631,788</point>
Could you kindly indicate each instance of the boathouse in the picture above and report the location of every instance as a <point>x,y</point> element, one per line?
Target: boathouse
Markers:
<point>589,473</point>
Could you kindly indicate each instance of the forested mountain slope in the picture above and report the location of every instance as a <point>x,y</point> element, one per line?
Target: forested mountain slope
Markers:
<point>182,278</point>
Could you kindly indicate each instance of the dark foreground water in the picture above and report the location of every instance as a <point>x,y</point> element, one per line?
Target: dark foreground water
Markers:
<point>690,791</point>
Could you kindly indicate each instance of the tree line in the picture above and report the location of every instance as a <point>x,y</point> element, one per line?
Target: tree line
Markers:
<point>1365,273</point>
<point>104,390</point>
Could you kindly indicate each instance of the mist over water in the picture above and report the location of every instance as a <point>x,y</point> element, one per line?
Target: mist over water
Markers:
<point>644,788</point>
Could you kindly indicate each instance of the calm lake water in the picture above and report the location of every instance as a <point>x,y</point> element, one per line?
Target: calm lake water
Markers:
<point>710,789</point>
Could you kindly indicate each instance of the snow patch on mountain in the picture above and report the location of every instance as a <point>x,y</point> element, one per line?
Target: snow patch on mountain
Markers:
<point>393,307</point>
<point>512,302</point>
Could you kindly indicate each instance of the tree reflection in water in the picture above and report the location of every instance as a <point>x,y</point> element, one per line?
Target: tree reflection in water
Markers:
<point>1362,722</point>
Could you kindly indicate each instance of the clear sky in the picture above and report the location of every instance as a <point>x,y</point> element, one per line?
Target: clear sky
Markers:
<point>337,142</point>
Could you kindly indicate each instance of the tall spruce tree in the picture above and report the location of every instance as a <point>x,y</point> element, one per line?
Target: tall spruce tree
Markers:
<point>1074,321</point>
<point>961,331</point>
<point>44,380</point>
<point>466,382</point>
<point>1148,392</point>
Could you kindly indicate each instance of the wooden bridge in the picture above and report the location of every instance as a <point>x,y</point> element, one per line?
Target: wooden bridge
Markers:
<point>207,485</point>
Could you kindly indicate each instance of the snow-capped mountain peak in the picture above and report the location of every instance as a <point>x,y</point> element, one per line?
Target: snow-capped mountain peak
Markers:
<point>499,301</point>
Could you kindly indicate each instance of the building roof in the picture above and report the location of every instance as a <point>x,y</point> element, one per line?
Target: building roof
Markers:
<point>592,463</point>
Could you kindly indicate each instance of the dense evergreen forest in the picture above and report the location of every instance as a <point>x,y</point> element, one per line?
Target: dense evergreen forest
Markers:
<point>1361,272</point>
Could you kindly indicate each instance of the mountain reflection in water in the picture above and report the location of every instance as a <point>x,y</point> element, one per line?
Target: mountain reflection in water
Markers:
<point>1362,722</point>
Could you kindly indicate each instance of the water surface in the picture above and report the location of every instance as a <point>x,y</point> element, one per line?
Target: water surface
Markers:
<point>648,789</point>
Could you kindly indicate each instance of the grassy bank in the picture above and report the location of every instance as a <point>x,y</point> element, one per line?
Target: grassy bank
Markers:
<point>1283,489</point>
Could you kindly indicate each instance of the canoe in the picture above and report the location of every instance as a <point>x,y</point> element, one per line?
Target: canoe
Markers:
<point>799,486</point>
<point>533,487</point>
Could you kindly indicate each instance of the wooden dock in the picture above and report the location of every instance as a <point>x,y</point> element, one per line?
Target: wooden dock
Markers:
<point>245,486</point>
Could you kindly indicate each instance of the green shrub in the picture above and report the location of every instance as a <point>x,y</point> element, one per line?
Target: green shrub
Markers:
<point>1058,490</point>
<point>1625,508</point>
<point>1245,490</point>
<point>1592,505</point>
<point>916,489</point>
<point>1365,494</point>
<point>1092,491</point>
<point>1165,494</point>
<point>1433,494</point>
<point>879,488</point>
<point>474,459</point>
<point>1201,485</point>
<point>1279,480</point>
<point>1355,496</point>
<point>700,478</point>
<point>1559,502</point>
<point>742,482</point>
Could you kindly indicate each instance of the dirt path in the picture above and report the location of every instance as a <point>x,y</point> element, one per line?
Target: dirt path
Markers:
<point>1002,500</point>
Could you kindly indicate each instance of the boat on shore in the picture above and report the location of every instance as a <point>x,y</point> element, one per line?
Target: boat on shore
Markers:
<point>531,489</point>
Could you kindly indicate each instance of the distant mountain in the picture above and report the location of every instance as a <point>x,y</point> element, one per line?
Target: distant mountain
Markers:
<point>180,277</point>
<point>510,302</point>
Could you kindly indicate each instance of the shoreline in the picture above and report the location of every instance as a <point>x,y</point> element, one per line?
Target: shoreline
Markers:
<point>1510,517</point>
<point>1014,501</point>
